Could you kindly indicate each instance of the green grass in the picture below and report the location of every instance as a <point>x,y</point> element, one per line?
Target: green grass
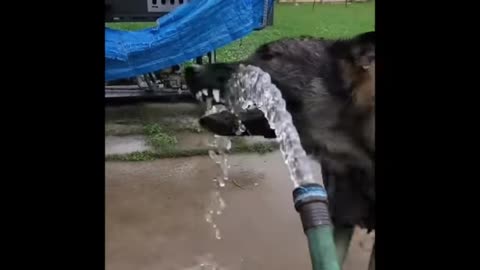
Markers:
<point>164,145</point>
<point>259,148</point>
<point>159,139</point>
<point>328,20</point>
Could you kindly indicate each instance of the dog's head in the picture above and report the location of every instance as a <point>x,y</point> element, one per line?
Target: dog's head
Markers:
<point>209,81</point>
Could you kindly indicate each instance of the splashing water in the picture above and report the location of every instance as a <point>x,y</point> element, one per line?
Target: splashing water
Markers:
<point>205,262</point>
<point>220,156</point>
<point>217,205</point>
<point>251,86</point>
<point>221,144</point>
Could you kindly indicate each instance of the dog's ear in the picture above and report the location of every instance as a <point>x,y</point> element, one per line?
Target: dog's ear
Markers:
<point>359,51</point>
<point>357,65</point>
<point>366,38</point>
<point>362,50</point>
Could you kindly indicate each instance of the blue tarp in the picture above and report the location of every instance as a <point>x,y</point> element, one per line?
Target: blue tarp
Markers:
<point>187,32</point>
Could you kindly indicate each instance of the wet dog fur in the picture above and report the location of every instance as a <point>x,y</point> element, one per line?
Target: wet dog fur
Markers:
<point>329,89</point>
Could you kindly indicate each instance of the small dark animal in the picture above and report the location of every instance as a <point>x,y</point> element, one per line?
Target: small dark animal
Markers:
<point>329,89</point>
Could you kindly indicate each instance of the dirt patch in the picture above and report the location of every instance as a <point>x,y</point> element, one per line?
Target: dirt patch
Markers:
<point>156,217</point>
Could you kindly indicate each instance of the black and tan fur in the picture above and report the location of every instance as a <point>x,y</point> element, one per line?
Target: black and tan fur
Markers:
<point>329,88</point>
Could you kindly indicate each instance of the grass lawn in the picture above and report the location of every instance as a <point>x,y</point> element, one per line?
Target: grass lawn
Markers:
<point>329,20</point>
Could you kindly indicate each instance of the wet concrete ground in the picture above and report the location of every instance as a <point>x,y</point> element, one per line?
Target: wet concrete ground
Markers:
<point>157,212</point>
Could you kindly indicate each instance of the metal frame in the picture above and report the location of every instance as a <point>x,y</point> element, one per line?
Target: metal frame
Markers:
<point>148,85</point>
<point>139,10</point>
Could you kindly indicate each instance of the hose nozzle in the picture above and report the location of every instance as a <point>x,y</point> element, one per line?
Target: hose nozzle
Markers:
<point>311,203</point>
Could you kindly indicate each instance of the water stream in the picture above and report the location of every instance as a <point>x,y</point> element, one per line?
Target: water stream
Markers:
<point>251,86</point>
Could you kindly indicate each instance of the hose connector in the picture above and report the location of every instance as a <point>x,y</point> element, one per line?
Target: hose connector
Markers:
<point>311,203</point>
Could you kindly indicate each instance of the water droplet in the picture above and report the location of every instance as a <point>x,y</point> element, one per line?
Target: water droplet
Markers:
<point>217,234</point>
<point>214,156</point>
<point>208,218</point>
<point>219,213</point>
<point>222,203</point>
<point>255,184</point>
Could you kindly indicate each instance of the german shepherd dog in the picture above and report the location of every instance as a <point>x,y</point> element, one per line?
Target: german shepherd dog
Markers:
<point>329,89</point>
